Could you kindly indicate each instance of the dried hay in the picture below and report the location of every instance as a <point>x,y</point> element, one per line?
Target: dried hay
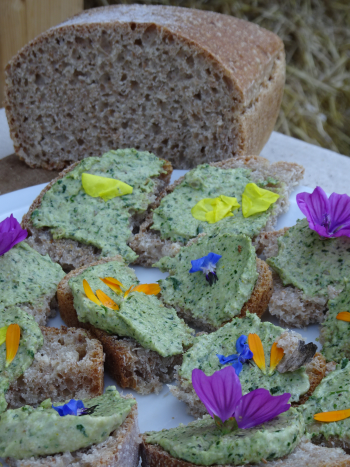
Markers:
<point>316,35</point>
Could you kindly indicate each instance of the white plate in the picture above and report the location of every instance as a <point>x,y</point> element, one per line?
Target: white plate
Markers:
<point>163,410</point>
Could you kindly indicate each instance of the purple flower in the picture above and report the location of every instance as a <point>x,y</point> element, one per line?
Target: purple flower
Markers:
<point>221,393</point>
<point>207,265</point>
<point>244,354</point>
<point>74,407</point>
<point>328,217</point>
<point>11,233</point>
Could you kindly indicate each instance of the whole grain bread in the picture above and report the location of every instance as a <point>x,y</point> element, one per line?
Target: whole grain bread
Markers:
<point>151,247</point>
<point>120,449</point>
<point>71,254</point>
<point>306,454</point>
<point>68,366</point>
<point>195,86</point>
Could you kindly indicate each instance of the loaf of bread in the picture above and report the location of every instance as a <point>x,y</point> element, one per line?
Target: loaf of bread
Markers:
<point>192,86</point>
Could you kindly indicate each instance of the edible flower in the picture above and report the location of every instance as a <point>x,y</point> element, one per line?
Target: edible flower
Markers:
<point>244,354</point>
<point>11,233</point>
<point>104,187</point>
<point>206,264</point>
<point>221,393</point>
<point>13,334</point>
<point>334,416</point>
<point>213,210</point>
<point>73,407</point>
<point>329,217</point>
<point>257,348</point>
<point>343,316</point>
<point>255,199</point>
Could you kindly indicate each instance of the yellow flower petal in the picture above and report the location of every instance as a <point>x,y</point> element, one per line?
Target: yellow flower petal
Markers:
<point>106,301</point>
<point>89,293</point>
<point>334,416</point>
<point>3,334</point>
<point>255,199</point>
<point>275,356</point>
<point>148,289</point>
<point>13,335</point>
<point>113,284</point>
<point>344,316</point>
<point>213,210</point>
<point>106,188</point>
<point>130,289</point>
<point>256,347</point>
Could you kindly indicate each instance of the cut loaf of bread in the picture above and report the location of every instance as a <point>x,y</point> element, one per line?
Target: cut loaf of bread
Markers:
<point>68,366</point>
<point>191,85</point>
<point>71,254</point>
<point>120,449</point>
<point>148,243</point>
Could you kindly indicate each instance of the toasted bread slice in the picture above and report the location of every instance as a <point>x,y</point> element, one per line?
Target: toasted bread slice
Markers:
<point>120,449</point>
<point>68,366</point>
<point>71,254</point>
<point>306,454</point>
<point>151,247</point>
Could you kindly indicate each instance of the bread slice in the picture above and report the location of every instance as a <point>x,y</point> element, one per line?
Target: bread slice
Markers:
<point>68,366</point>
<point>151,247</point>
<point>306,454</point>
<point>120,449</point>
<point>127,362</point>
<point>142,76</point>
<point>71,254</point>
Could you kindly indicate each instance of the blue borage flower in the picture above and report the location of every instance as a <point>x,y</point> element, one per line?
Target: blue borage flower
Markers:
<point>244,354</point>
<point>74,407</point>
<point>207,265</point>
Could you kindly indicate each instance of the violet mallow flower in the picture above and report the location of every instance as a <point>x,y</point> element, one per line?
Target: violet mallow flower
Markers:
<point>221,393</point>
<point>237,360</point>
<point>206,264</point>
<point>11,233</point>
<point>329,217</point>
<point>74,407</point>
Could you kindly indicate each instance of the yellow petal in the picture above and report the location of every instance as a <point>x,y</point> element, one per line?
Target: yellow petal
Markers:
<point>275,356</point>
<point>332,416</point>
<point>89,293</point>
<point>255,199</point>
<point>106,188</point>
<point>344,316</point>
<point>106,301</point>
<point>3,334</point>
<point>256,347</point>
<point>13,335</point>
<point>213,210</point>
<point>130,289</point>
<point>115,285</point>
<point>148,289</point>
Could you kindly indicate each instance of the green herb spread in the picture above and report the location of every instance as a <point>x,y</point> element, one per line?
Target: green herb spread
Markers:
<point>223,341</point>
<point>311,262</point>
<point>220,302</point>
<point>30,342</point>
<point>173,217</point>
<point>70,213</point>
<point>27,277</point>
<point>333,393</point>
<point>140,316</point>
<point>202,443</point>
<point>27,432</point>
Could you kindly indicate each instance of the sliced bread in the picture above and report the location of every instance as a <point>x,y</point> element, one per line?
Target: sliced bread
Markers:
<point>149,244</point>
<point>144,76</point>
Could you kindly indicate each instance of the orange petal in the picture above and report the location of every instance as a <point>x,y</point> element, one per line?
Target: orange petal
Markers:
<point>13,335</point>
<point>89,293</point>
<point>106,301</point>
<point>3,332</point>
<point>257,348</point>
<point>344,316</point>
<point>113,281</point>
<point>148,289</point>
<point>130,289</point>
<point>115,287</point>
<point>275,356</point>
<point>332,416</point>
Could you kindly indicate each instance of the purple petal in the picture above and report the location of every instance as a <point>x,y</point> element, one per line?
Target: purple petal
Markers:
<point>219,392</point>
<point>259,406</point>
<point>11,233</point>
<point>340,215</point>
<point>315,207</point>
